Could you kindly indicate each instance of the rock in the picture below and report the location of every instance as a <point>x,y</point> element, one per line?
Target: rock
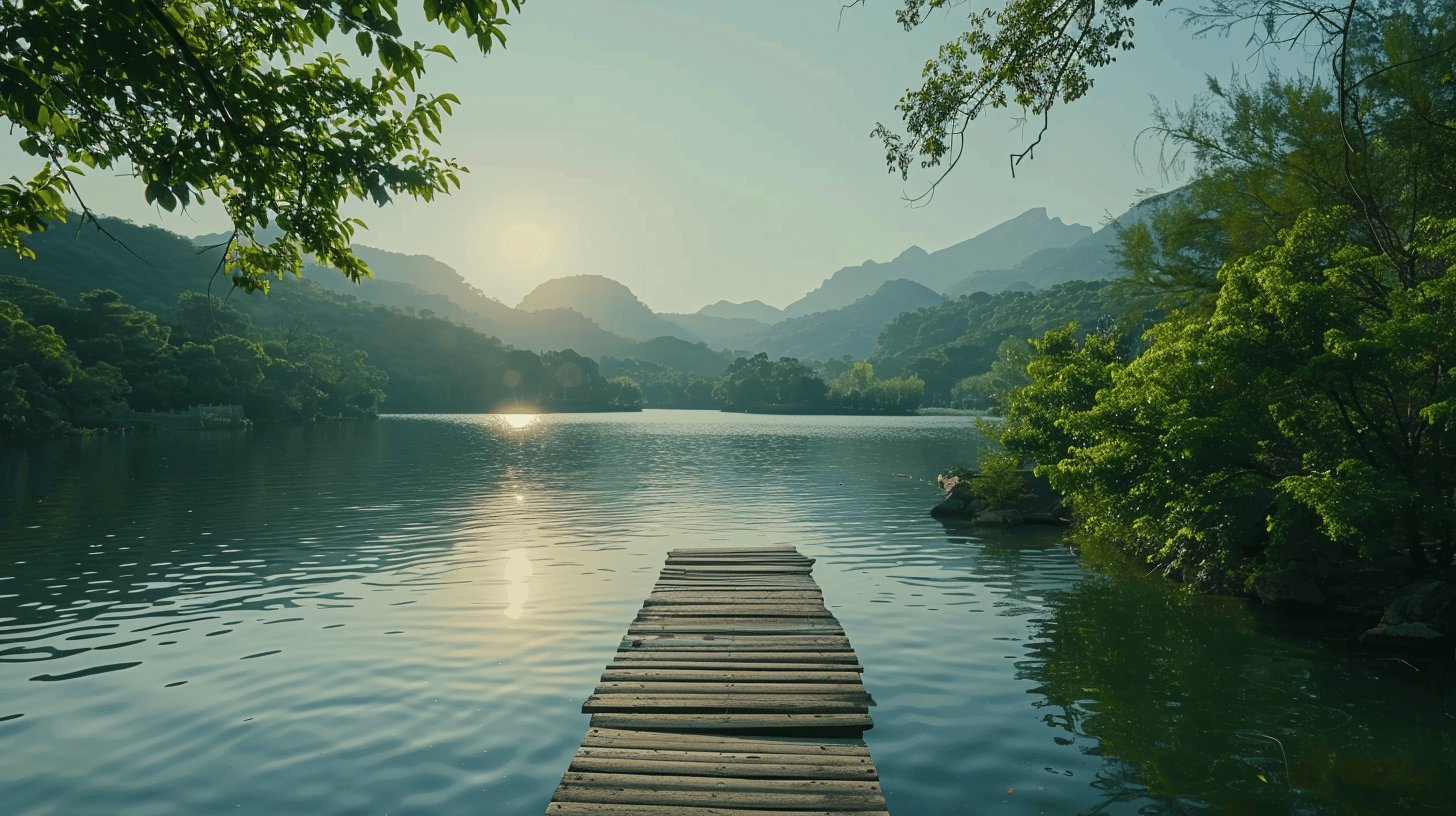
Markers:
<point>1421,612</point>
<point>1041,505</point>
<point>999,517</point>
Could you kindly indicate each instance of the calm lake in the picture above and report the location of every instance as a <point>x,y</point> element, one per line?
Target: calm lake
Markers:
<point>404,617</point>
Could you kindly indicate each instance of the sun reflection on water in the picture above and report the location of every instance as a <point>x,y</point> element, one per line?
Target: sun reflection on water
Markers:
<point>518,569</point>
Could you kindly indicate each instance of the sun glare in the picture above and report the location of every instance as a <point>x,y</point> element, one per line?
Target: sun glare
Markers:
<point>518,569</point>
<point>519,421</point>
<point>525,244</point>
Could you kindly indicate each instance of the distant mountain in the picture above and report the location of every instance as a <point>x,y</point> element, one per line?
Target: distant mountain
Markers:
<point>720,332</point>
<point>419,282</point>
<point>1001,247</point>
<point>752,310</point>
<point>680,355</point>
<point>851,330</point>
<point>609,303</point>
<point>1088,259</point>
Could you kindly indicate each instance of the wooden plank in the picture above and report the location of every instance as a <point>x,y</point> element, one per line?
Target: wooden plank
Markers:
<point>731,619</point>
<point>810,594</point>
<point>723,768</point>
<point>795,675</point>
<point>789,797</point>
<point>850,703</point>
<point>726,722</point>
<point>859,762</point>
<point>721,550</point>
<point>835,661</point>
<point>747,643</point>
<point>663,783</point>
<point>738,610</point>
<point>709,687</point>
<point>609,809</point>
<point>740,569</point>
<point>728,627</point>
<point>605,809</point>
<point>677,740</point>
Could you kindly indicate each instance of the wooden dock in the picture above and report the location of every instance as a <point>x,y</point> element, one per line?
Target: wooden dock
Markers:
<point>734,693</point>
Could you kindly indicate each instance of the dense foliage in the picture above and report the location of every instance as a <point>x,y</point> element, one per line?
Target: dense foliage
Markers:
<point>1298,403</point>
<point>243,101</point>
<point>662,386</point>
<point>943,346</point>
<point>70,365</point>
<point>760,384</point>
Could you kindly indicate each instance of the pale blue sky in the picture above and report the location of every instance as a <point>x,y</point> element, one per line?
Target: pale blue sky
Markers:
<point>697,151</point>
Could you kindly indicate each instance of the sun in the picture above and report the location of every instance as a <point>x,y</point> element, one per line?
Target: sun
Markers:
<point>526,244</point>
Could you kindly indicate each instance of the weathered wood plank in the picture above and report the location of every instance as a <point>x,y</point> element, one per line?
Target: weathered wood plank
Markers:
<point>720,550</point>
<point>726,627</point>
<point>739,569</point>
<point>859,762</point>
<point>747,643</point>
<point>721,768</point>
<point>815,787</point>
<point>843,702</point>
<point>678,740</point>
<point>605,809</point>
<point>823,674</point>
<point>683,687</point>
<point>838,661</point>
<point>784,800</point>
<point>725,722</point>
<point>736,610</point>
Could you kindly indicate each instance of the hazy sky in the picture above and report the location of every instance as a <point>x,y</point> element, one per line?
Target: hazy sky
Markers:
<point>698,151</point>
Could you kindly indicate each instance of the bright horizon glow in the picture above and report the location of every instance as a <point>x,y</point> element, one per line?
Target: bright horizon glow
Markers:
<point>525,245</point>
<point>697,152</point>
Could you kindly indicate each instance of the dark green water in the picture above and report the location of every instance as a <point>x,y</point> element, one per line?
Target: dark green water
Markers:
<point>403,617</point>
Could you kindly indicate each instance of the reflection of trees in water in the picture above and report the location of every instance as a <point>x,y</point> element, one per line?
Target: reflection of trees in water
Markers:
<point>1188,703</point>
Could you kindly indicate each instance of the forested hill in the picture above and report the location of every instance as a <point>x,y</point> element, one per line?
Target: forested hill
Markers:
<point>431,364</point>
<point>946,344</point>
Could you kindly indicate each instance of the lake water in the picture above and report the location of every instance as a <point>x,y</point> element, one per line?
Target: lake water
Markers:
<point>404,617</point>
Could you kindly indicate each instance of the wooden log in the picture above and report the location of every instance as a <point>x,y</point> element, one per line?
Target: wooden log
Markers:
<point>721,550</point>
<point>616,792</point>
<point>797,674</point>
<point>739,610</point>
<point>858,761</point>
<point>708,687</point>
<point>722,768</point>
<point>733,721</point>
<point>728,703</point>
<point>677,740</point>
<point>746,643</point>
<point>835,661</point>
<point>605,809</point>
<point>727,627</point>
<point>811,787</point>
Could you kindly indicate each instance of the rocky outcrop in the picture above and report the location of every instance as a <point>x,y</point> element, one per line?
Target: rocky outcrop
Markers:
<point>1422,612</point>
<point>1039,505</point>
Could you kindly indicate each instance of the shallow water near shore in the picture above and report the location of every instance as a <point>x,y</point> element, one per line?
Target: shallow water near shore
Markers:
<point>404,617</point>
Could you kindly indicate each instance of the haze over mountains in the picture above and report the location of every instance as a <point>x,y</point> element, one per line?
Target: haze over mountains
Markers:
<point>598,316</point>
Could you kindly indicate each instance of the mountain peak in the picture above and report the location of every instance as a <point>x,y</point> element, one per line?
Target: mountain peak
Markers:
<point>914,253</point>
<point>610,303</point>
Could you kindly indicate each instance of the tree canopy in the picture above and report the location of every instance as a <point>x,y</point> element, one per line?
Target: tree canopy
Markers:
<point>240,101</point>
<point>1297,403</point>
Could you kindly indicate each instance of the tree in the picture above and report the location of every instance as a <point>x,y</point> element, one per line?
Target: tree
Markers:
<point>1037,54</point>
<point>235,100</point>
